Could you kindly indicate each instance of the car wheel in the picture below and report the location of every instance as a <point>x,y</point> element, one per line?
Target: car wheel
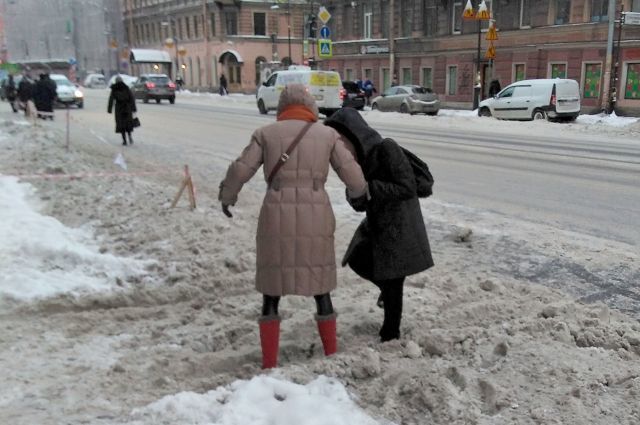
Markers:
<point>172,100</point>
<point>158,100</point>
<point>374,106</point>
<point>80,105</point>
<point>484,112</point>
<point>433,114</point>
<point>404,109</point>
<point>146,99</point>
<point>261,107</point>
<point>539,114</point>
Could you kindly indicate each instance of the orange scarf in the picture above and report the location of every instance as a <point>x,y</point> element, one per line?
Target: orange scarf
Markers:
<point>297,112</point>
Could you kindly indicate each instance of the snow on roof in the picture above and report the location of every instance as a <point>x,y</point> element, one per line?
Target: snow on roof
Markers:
<point>149,56</point>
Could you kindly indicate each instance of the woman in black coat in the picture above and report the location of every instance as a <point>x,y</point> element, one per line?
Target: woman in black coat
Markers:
<point>125,108</point>
<point>392,242</point>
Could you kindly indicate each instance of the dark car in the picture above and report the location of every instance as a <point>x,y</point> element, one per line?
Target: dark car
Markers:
<point>154,86</point>
<point>352,96</point>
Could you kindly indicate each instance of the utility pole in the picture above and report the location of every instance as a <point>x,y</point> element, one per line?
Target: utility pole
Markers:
<point>607,64</point>
<point>616,68</point>
<point>207,54</point>
<point>392,39</point>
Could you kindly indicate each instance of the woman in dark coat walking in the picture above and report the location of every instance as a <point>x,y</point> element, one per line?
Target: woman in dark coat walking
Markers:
<point>125,108</point>
<point>44,96</point>
<point>392,242</point>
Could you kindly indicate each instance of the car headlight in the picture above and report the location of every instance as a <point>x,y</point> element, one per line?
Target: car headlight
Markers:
<point>78,93</point>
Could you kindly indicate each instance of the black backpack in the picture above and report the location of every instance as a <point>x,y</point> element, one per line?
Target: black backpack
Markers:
<point>424,179</point>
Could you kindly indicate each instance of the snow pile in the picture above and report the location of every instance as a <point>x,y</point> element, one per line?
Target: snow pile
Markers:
<point>263,400</point>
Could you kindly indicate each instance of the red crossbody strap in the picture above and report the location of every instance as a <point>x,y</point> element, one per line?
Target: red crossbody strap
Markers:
<point>285,156</point>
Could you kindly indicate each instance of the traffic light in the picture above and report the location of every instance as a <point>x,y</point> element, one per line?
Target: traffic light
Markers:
<point>313,26</point>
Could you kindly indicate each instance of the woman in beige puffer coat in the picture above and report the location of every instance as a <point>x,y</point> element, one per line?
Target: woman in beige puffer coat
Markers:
<point>295,244</point>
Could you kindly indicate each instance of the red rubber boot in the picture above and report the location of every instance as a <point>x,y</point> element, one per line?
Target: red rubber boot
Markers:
<point>327,331</point>
<point>269,340</point>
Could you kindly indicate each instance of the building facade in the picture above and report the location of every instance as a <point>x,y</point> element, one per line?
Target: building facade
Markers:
<point>435,47</point>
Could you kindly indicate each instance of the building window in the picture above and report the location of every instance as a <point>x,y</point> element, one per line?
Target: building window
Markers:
<point>427,77</point>
<point>599,10</point>
<point>386,78</point>
<point>348,74</point>
<point>632,83</point>
<point>452,80</point>
<point>196,26</point>
<point>406,76</point>
<point>592,79</point>
<point>212,24</point>
<point>187,26</point>
<point>635,6</point>
<point>259,23</point>
<point>525,13</point>
<point>368,74</point>
<point>456,19</point>
<point>180,35</point>
<point>558,70</point>
<point>407,17</point>
<point>519,72</point>
<point>384,15</point>
<point>347,20</point>
<point>429,18</point>
<point>368,20</point>
<point>563,12</point>
<point>231,22</point>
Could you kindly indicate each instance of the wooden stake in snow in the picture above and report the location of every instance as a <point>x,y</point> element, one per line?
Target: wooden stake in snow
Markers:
<point>186,183</point>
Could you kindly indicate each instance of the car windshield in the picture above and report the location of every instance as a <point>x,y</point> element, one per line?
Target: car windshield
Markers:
<point>62,81</point>
<point>420,90</point>
<point>159,80</point>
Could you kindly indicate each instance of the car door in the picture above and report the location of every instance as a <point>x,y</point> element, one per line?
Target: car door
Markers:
<point>139,86</point>
<point>521,103</point>
<point>270,95</point>
<point>385,103</point>
<point>502,104</point>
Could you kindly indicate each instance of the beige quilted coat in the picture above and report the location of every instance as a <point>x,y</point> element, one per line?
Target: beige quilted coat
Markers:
<point>295,247</point>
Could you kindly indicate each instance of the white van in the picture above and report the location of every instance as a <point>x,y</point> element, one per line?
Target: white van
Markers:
<point>324,86</point>
<point>551,98</point>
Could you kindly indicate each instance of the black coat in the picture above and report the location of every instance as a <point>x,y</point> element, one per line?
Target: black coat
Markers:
<point>25,89</point>
<point>44,94</point>
<point>394,226</point>
<point>125,106</point>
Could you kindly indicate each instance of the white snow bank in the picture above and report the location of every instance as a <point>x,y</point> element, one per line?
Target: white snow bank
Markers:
<point>263,400</point>
<point>40,257</point>
<point>611,120</point>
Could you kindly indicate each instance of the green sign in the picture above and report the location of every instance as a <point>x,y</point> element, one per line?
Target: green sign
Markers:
<point>325,49</point>
<point>305,48</point>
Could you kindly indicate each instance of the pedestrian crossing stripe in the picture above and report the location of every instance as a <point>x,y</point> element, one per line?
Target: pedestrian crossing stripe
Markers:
<point>325,48</point>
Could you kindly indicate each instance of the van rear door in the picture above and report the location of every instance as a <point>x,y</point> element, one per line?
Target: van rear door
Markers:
<point>567,96</point>
<point>324,86</point>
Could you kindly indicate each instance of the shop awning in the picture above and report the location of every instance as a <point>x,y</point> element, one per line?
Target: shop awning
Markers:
<point>149,56</point>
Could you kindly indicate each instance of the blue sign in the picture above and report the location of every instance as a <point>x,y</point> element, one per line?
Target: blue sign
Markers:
<point>325,32</point>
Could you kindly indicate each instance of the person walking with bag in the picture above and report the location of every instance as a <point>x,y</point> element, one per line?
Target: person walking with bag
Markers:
<point>295,237</point>
<point>125,108</point>
<point>392,242</point>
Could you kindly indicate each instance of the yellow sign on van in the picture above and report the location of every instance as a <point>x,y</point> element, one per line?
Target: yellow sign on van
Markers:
<point>319,78</point>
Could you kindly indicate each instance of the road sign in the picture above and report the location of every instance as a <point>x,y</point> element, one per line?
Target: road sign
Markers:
<point>492,34</point>
<point>325,49</point>
<point>631,18</point>
<point>325,32</point>
<point>491,52</point>
<point>323,14</point>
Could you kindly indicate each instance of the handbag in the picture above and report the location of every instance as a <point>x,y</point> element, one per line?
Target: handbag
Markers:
<point>136,122</point>
<point>285,156</point>
<point>359,255</point>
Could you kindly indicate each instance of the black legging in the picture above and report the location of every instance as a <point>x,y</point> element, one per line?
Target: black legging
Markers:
<point>323,305</point>
<point>392,299</point>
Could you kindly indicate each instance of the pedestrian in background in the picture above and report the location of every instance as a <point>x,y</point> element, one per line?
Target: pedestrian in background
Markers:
<point>11,92</point>
<point>295,237</point>
<point>125,104</point>
<point>223,85</point>
<point>392,242</point>
<point>494,88</point>
<point>44,96</point>
<point>369,89</point>
<point>25,94</point>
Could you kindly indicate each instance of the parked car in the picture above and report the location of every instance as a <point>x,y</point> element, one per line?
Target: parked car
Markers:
<point>352,96</point>
<point>324,86</point>
<point>127,79</point>
<point>550,98</point>
<point>154,86</point>
<point>409,99</point>
<point>68,93</point>
<point>95,81</point>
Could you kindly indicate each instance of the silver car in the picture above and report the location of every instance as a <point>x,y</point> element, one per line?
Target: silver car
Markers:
<point>408,99</point>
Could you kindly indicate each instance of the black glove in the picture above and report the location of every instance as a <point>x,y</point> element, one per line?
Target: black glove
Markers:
<point>225,210</point>
<point>360,203</point>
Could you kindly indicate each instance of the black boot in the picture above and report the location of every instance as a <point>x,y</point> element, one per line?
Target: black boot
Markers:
<point>392,300</point>
<point>130,139</point>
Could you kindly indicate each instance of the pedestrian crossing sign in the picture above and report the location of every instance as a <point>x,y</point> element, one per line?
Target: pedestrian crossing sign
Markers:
<point>325,49</point>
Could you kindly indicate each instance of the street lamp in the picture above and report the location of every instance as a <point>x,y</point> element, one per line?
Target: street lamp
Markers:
<point>482,14</point>
<point>275,6</point>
